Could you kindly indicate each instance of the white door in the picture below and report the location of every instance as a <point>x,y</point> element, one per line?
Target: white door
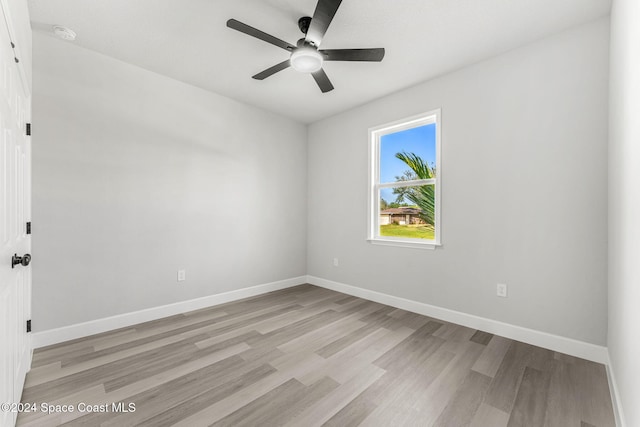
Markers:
<point>15,211</point>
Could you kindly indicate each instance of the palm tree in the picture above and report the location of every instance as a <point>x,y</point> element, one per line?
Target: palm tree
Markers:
<point>422,196</point>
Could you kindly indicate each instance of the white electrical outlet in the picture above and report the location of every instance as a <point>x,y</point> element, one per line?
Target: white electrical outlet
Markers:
<point>182,276</point>
<point>335,262</point>
<point>501,290</point>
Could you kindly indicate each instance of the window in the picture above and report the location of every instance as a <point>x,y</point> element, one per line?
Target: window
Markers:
<point>404,182</point>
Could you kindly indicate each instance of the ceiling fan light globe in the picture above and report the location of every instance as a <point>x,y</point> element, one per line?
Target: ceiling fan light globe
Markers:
<point>306,60</point>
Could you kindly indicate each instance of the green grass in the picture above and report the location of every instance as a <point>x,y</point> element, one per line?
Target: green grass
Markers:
<point>411,231</point>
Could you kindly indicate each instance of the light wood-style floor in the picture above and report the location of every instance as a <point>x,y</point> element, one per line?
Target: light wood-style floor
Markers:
<point>307,356</point>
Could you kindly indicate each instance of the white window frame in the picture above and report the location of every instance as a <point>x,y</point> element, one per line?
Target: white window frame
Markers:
<point>373,223</point>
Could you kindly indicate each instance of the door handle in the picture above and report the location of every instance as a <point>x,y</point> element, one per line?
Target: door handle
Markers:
<point>22,260</point>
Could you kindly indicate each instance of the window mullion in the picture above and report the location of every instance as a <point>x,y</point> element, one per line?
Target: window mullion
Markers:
<point>414,183</point>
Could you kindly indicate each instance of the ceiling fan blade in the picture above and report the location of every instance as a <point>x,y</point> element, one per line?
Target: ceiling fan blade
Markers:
<point>374,55</point>
<point>323,80</point>
<point>254,32</point>
<point>322,17</point>
<point>272,70</point>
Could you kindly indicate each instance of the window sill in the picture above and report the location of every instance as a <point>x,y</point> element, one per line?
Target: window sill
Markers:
<point>404,244</point>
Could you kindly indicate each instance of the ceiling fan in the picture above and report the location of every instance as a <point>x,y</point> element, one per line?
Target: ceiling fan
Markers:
<point>306,57</point>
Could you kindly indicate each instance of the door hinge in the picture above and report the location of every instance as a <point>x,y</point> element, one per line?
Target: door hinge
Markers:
<point>29,227</point>
<point>28,129</point>
<point>29,325</point>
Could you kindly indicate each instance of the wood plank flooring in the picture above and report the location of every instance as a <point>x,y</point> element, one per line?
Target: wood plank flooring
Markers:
<point>307,356</point>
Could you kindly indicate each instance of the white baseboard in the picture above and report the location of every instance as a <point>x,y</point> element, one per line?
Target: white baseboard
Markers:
<point>557,343</point>
<point>615,396</point>
<point>66,333</point>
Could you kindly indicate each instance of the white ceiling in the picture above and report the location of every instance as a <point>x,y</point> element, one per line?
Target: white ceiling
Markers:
<point>188,40</point>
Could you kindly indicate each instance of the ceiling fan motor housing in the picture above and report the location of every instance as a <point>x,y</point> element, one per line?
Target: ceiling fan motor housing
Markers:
<point>303,24</point>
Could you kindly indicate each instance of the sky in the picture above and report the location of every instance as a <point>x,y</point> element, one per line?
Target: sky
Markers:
<point>419,140</point>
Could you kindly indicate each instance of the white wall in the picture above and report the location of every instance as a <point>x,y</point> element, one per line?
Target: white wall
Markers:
<point>624,205</point>
<point>136,175</point>
<point>524,190</point>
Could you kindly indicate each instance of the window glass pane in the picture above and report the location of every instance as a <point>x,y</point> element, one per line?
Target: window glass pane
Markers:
<point>408,154</point>
<point>407,212</point>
